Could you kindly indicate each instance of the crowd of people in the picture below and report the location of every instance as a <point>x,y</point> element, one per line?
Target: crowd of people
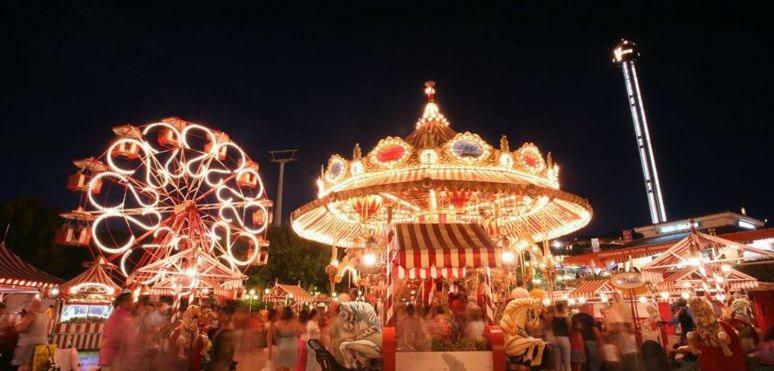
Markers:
<point>459,319</point>
<point>144,335</point>
<point>149,336</point>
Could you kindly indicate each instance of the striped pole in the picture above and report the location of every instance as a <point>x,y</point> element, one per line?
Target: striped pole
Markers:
<point>488,303</point>
<point>389,309</point>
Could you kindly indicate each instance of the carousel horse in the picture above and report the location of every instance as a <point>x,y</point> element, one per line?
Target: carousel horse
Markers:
<point>715,342</point>
<point>741,318</point>
<point>517,342</point>
<point>363,332</point>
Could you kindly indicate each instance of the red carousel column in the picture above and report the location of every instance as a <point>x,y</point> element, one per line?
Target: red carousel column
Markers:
<point>388,332</point>
<point>497,340</point>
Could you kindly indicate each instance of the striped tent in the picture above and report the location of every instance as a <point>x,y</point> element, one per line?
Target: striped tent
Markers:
<point>432,250</point>
<point>279,293</point>
<point>439,248</point>
<point>94,280</point>
<point>676,281</point>
<point>17,274</point>
<point>591,289</point>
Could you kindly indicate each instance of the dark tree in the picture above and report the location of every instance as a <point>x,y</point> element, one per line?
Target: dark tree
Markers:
<point>31,226</point>
<point>292,259</point>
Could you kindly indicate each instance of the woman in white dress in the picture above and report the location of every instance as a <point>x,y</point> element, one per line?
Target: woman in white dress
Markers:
<point>312,332</point>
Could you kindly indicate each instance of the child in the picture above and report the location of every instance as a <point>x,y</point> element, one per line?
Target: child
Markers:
<point>578,354</point>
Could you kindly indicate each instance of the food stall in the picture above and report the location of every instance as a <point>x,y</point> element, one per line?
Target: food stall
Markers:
<point>87,301</point>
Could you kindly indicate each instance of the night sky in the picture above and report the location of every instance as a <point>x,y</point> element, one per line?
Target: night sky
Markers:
<point>321,77</point>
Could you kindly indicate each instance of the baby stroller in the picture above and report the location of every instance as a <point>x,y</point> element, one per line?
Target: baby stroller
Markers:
<point>324,357</point>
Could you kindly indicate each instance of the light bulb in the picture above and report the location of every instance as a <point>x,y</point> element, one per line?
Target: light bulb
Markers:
<point>369,259</point>
<point>508,257</point>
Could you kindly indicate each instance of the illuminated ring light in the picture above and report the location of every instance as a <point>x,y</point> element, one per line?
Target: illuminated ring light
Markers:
<point>390,152</point>
<point>468,148</point>
<point>175,186</point>
<point>337,168</point>
<point>530,158</point>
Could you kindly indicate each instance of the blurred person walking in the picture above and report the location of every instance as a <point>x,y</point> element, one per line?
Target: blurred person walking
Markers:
<point>286,333</point>
<point>118,349</point>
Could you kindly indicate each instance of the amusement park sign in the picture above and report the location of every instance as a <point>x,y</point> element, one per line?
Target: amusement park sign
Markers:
<point>627,280</point>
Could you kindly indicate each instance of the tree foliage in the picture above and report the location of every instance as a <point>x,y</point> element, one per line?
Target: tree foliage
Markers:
<point>31,228</point>
<point>292,260</point>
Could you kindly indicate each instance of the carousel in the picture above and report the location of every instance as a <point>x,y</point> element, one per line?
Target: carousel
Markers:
<point>440,211</point>
<point>178,208</point>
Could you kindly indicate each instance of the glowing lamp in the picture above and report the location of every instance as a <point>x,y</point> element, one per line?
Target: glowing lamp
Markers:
<point>267,292</point>
<point>725,268</point>
<point>508,257</point>
<point>334,262</point>
<point>685,295</point>
<point>369,259</point>
<point>643,299</point>
<point>694,261</point>
<point>571,301</point>
<point>664,295</point>
<point>582,300</point>
<point>54,292</point>
<point>546,301</point>
<point>604,298</point>
<point>252,291</point>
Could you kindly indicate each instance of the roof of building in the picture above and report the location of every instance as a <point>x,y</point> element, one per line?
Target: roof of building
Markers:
<point>281,292</point>
<point>95,274</point>
<point>14,271</point>
<point>654,245</point>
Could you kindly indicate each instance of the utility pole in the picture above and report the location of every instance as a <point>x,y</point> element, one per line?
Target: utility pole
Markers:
<point>281,157</point>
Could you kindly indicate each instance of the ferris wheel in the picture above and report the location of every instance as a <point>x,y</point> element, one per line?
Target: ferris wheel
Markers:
<point>177,207</point>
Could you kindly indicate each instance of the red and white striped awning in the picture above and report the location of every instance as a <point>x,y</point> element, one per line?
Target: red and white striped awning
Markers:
<point>95,276</point>
<point>591,288</point>
<point>448,245</point>
<point>432,272</point>
<point>16,272</point>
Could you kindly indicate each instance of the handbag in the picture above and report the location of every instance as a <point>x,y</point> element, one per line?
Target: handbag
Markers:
<point>43,360</point>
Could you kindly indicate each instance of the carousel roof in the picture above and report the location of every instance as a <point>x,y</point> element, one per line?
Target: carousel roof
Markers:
<point>94,275</point>
<point>16,272</point>
<point>436,174</point>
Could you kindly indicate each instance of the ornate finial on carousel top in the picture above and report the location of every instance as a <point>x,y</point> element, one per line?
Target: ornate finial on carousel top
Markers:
<point>549,160</point>
<point>357,154</point>
<point>430,90</point>
<point>504,147</point>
